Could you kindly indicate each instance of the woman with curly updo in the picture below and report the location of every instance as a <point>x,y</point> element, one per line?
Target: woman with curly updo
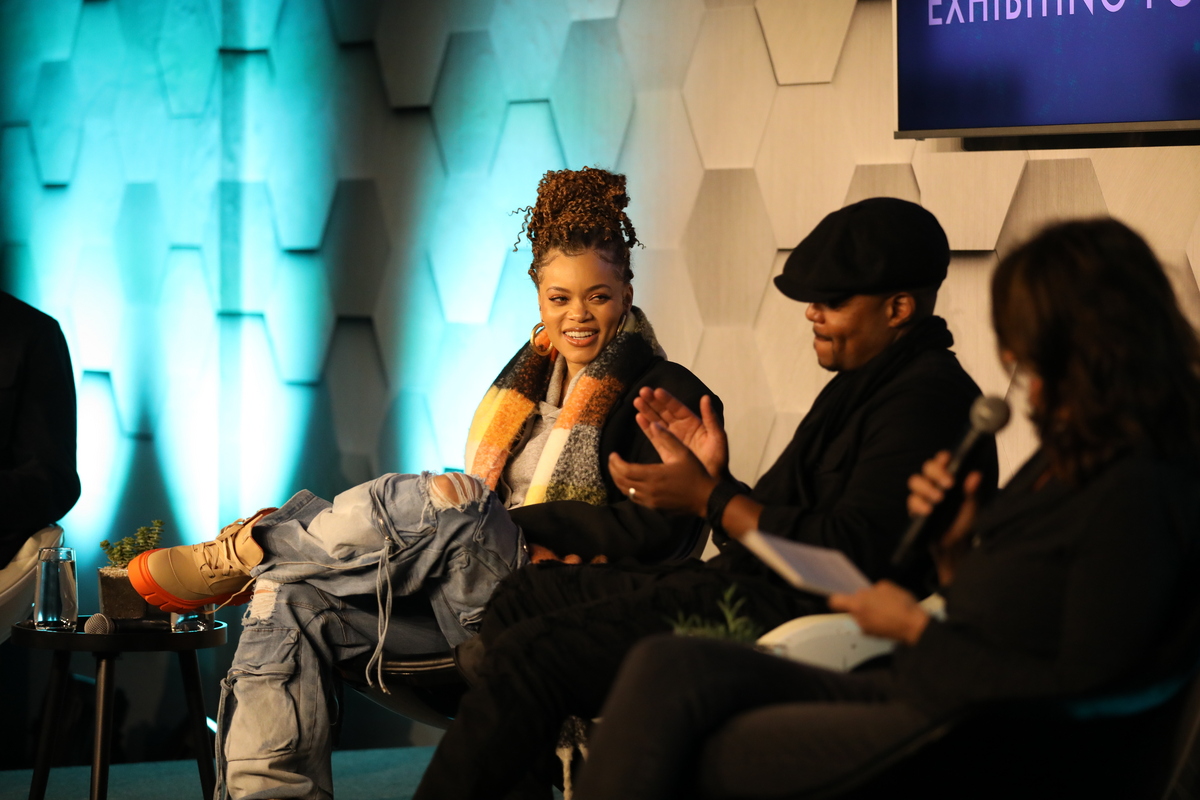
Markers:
<point>536,488</point>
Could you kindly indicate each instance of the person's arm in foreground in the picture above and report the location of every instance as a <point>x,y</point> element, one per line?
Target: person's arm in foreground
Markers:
<point>40,484</point>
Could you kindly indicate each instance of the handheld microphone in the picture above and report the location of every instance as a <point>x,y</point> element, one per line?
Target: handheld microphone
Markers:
<point>99,623</point>
<point>988,416</point>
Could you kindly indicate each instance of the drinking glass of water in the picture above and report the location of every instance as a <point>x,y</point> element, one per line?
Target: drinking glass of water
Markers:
<point>56,597</point>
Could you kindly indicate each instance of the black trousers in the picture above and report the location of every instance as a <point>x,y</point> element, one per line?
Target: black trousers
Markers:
<point>701,718</point>
<point>554,636</point>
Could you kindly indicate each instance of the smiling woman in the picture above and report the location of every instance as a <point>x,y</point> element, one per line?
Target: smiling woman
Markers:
<point>537,488</point>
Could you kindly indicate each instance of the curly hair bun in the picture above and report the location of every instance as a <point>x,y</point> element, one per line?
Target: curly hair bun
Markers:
<point>577,211</point>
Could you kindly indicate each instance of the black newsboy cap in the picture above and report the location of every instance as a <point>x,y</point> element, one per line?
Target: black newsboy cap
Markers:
<point>874,246</point>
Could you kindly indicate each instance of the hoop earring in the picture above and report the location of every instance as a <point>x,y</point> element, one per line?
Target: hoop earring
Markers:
<point>621,324</point>
<point>533,340</point>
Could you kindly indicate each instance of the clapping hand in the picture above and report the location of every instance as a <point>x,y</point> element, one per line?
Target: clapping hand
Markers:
<point>703,436</point>
<point>680,483</point>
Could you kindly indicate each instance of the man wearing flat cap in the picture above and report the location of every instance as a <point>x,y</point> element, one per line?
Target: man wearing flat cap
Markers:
<point>554,635</point>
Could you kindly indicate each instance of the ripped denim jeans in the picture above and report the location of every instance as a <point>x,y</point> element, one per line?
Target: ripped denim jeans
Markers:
<point>393,536</point>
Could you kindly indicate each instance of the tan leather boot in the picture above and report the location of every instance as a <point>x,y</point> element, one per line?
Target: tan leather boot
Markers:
<point>188,577</point>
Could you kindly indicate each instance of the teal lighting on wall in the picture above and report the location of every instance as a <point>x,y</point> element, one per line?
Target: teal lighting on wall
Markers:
<point>277,264</point>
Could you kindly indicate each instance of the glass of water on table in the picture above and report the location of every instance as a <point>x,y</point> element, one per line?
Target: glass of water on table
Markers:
<point>56,596</point>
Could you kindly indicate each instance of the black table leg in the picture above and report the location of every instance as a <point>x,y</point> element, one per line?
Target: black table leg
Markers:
<point>60,674</point>
<point>102,745</point>
<point>201,740</point>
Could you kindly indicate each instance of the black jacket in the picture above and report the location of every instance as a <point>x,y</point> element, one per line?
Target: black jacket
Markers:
<point>622,528</point>
<point>38,482</point>
<point>855,498</point>
<point>1069,591</point>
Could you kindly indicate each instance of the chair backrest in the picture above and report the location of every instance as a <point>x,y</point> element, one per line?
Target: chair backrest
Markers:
<point>1184,780</point>
<point>17,578</point>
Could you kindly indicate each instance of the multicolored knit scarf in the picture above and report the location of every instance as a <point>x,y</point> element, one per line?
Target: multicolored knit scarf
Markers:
<point>569,466</point>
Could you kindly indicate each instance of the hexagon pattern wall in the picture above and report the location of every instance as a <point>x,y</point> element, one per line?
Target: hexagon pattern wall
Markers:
<point>277,233</point>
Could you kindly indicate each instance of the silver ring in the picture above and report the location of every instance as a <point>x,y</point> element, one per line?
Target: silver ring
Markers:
<point>632,492</point>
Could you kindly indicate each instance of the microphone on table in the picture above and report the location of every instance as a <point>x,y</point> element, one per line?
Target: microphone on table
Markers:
<point>100,623</point>
<point>988,416</point>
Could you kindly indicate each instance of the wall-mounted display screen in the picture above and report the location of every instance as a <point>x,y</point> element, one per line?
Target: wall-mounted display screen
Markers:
<point>986,67</point>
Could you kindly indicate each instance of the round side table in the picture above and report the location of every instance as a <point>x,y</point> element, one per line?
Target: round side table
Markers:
<point>106,648</point>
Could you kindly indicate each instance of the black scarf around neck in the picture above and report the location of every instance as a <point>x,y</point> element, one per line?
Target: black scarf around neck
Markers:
<point>835,405</point>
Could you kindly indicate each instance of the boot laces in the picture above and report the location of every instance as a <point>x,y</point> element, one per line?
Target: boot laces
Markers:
<point>221,556</point>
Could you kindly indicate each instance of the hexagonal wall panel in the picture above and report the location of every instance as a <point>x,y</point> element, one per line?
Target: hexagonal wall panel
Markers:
<point>474,359</point>
<point>55,256</point>
<point>528,148</point>
<point>662,288</point>
<point>410,39</point>
<point>357,388</point>
<point>187,321</point>
<point>658,61</point>
<point>98,57</point>
<point>19,185</point>
<point>467,266</point>
<point>804,169</point>
<point>360,113</point>
<point>883,180</point>
<point>250,24</point>
<point>1193,250</point>
<point>190,167</point>
<point>408,322</point>
<point>515,308</point>
<point>471,15</point>
<point>299,317</point>
<point>1050,191</point>
<point>240,247</point>
<point>864,89</point>
<point>187,55</point>
<point>661,160</point>
<point>468,106</point>
<point>249,100</point>
<point>728,227</point>
<point>593,9</point>
<point>728,363</point>
<point>785,342</point>
<point>729,88</point>
<point>17,275</point>
<point>529,36</point>
<point>141,22</point>
<point>95,194</point>
<point>141,243</point>
<point>804,37</point>
<point>969,193</point>
<point>353,20</point>
<point>1154,190</point>
<point>592,95</point>
<point>409,175</point>
<point>355,249</point>
<point>138,388</point>
<point>96,304</point>
<point>302,174</point>
<point>139,118</point>
<point>56,122</point>
<point>407,442</point>
<point>31,33</point>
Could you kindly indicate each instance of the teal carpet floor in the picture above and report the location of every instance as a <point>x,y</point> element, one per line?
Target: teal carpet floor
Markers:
<point>390,774</point>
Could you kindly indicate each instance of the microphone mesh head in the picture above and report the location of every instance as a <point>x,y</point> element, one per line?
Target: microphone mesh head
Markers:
<point>98,623</point>
<point>989,414</point>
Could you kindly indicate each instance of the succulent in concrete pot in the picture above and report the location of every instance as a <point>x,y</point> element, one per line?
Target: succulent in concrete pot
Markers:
<point>118,599</point>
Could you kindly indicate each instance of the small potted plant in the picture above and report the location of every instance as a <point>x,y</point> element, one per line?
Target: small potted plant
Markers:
<point>118,600</point>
